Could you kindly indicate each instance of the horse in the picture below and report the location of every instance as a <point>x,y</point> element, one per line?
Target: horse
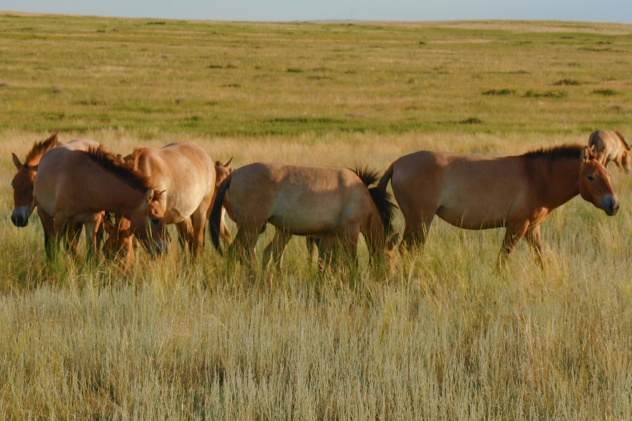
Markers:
<point>189,177</point>
<point>611,146</point>
<point>515,192</point>
<point>74,186</point>
<point>332,205</point>
<point>23,180</point>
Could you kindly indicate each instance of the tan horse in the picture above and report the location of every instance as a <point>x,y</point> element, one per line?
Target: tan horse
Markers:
<point>25,177</point>
<point>611,146</point>
<point>73,186</point>
<point>333,205</point>
<point>515,192</point>
<point>189,178</point>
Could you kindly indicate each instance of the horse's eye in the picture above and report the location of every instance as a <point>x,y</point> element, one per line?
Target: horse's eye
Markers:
<point>154,221</point>
<point>590,177</point>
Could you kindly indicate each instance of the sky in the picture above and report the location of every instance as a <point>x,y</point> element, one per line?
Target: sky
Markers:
<point>313,10</point>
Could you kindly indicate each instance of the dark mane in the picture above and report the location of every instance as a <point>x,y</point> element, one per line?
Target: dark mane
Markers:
<point>557,152</point>
<point>367,176</point>
<point>39,148</point>
<point>116,165</point>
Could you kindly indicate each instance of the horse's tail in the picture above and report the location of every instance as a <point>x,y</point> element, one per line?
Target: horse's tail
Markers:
<point>215,217</point>
<point>385,179</point>
<point>367,176</point>
<point>385,207</point>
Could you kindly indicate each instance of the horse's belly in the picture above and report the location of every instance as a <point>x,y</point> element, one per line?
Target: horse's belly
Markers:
<point>305,224</point>
<point>472,218</point>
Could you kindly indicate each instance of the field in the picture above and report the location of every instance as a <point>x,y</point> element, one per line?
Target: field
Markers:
<point>446,336</point>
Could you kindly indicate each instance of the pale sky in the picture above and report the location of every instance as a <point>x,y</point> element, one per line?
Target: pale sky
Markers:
<point>307,10</point>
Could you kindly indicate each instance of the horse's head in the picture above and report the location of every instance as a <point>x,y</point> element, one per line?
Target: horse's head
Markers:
<point>594,183</point>
<point>222,171</point>
<point>147,223</point>
<point>22,192</point>
<point>120,241</point>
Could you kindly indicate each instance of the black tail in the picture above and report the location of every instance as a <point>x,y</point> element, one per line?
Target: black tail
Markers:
<point>215,217</point>
<point>367,176</point>
<point>385,206</point>
<point>385,179</point>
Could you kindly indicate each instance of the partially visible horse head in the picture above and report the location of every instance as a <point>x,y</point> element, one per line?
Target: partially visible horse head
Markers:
<point>120,241</point>
<point>23,181</point>
<point>594,183</point>
<point>147,222</point>
<point>222,171</point>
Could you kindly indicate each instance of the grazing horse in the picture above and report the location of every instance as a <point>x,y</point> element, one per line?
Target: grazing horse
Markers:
<point>73,186</point>
<point>611,146</point>
<point>330,204</point>
<point>25,177</point>
<point>189,178</point>
<point>515,192</point>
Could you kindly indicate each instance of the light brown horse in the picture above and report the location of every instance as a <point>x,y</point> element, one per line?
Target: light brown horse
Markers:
<point>73,186</point>
<point>611,146</point>
<point>331,204</point>
<point>515,192</point>
<point>189,178</point>
<point>25,177</point>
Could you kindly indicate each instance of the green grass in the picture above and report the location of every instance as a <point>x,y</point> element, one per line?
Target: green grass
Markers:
<point>445,336</point>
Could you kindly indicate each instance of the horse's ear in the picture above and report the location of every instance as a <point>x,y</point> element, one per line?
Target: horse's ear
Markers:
<point>149,195</point>
<point>227,164</point>
<point>585,154</point>
<point>158,194</point>
<point>16,161</point>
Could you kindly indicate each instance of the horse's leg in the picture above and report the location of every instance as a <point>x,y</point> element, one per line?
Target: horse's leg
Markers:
<point>326,246</point>
<point>276,248</point>
<point>243,247</point>
<point>198,221</point>
<point>49,233</point>
<point>534,239</point>
<point>224,232</point>
<point>185,233</point>
<point>92,228</point>
<point>513,234</point>
<point>416,230</point>
<point>70,236</point>
<point>348,245</point>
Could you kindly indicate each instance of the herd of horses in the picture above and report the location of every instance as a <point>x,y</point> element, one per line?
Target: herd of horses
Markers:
<point>81,185</point>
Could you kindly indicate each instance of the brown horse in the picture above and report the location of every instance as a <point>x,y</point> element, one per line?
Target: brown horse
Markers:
<point>515,192</point>
<point>333,205</point>
<point>25,177</point>
<point>611,146</point>
<point>189,178</point>
<point>73,186</point>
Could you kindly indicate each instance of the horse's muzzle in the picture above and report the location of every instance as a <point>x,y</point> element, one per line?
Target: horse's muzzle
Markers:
<point>610,205</point>
<point>20,218</point>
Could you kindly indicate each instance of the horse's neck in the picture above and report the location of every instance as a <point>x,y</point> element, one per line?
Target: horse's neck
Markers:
<point>115,195</point>
<point>559,179</point>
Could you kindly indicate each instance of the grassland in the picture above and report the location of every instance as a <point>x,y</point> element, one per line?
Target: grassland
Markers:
<point>444,337</point>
